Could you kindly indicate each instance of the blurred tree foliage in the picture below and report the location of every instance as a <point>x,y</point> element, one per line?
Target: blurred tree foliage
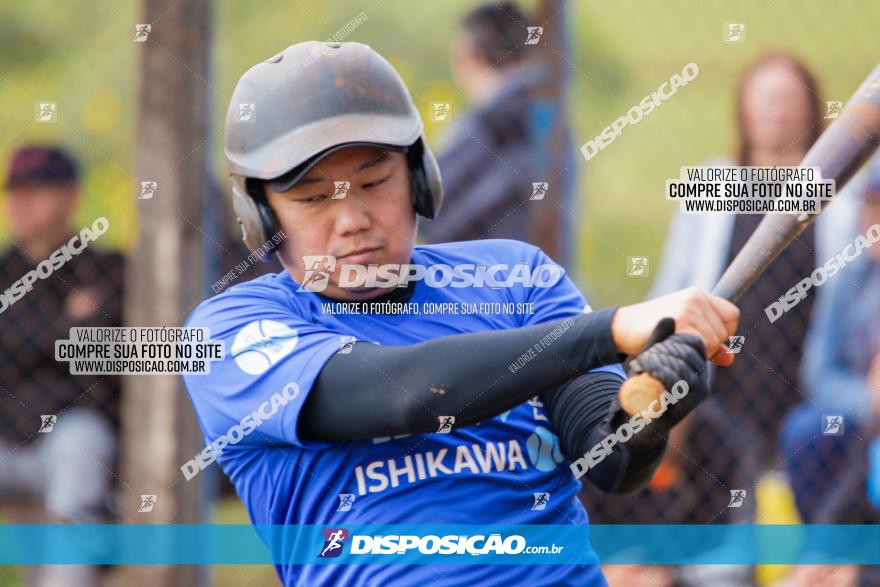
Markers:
<point>82,56</point>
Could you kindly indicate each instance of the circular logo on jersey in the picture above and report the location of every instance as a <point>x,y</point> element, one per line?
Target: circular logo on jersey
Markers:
<point>543,449</point>
<point>261,344</point>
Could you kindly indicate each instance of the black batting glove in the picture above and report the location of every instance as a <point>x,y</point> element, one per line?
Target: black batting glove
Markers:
<point>673,358</point>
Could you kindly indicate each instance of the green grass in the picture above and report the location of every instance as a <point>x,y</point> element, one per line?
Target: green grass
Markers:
<point>231,511</point>
<point>228,511</point>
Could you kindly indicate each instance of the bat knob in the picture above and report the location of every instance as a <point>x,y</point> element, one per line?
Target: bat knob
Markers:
<point>638,392</point>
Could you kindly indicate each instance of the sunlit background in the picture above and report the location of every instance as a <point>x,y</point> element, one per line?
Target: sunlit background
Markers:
<point>81,55</point>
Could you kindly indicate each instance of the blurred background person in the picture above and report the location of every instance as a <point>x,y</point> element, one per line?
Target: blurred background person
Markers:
<point>823,437</point>
<point>830,444</point>
<point>516,135</point>
<point>57,430</point>
<point>778,117</point>
<point>729,442</point>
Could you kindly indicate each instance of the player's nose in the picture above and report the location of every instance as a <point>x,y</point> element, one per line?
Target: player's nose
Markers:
<point>352,216</point>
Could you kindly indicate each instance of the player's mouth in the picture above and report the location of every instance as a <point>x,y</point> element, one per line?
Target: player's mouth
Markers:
<point>359,256</point>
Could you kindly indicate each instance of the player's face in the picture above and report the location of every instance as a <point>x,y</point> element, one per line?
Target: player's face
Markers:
<point>466,67</point>
<point>870,215</point>
<point>777,109</point>
<point>39,210</point>
<point>370,221</point>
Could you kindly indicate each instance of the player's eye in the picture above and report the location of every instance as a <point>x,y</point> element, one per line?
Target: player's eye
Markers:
<point>312,199</point>
<point>378,182</point>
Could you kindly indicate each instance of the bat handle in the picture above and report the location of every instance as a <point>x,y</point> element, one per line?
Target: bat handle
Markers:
<point>638,391</point>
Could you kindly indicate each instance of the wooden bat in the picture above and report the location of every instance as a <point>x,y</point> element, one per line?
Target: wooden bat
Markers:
<point>839,152</point>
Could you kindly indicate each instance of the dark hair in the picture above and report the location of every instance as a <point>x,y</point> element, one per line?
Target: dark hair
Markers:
<point>811,89</point>
<point>42,165</point>
<point>499,32</point>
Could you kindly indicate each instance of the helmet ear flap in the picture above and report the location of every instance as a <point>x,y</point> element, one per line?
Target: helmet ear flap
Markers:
<point>268,219</point>
<point>247,214</point>
<point>255,216</point>
<point>427,189</point>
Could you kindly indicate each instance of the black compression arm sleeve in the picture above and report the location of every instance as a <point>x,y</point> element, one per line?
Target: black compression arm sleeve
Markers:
<point>376,391</point>
<point>584,411</point>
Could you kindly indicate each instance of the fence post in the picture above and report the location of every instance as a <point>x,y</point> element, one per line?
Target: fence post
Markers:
<point>545,227</point>
<point>164,274</point>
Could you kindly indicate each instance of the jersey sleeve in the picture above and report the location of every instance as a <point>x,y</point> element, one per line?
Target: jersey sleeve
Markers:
<point>554,299</point>
<point>272,358</point>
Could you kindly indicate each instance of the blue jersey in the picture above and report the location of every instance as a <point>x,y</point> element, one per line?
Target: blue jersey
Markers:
<point>488,473</point>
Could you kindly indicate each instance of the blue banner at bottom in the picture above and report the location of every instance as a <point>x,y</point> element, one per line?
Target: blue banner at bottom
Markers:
<point>129,544</point>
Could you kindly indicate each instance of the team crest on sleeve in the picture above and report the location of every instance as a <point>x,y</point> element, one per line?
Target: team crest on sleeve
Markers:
<point>543,449</point>
<point>261,344</point>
